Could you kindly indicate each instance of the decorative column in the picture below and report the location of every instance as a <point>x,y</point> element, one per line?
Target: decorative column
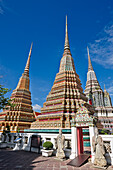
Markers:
<point>43,140</point>
<point>12,138</point>
<point>53,142</point>
<point>29,141</point>
<point>74,148</point>
<point>23,140</point>
<point>91,133</point>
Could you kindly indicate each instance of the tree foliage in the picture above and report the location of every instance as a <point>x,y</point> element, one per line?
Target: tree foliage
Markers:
<point>3,100</point>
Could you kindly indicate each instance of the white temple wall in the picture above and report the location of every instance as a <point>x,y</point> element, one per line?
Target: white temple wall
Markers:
<point>26,141</point>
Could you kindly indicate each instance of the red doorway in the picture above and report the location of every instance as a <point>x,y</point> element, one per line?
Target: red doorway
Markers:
<point>80,140</point>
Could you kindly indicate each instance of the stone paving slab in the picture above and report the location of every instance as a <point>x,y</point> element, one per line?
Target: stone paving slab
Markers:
<point>22,160</point>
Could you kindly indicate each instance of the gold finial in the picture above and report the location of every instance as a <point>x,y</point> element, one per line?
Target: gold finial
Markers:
<point>26,71</point>
<point>104,86</point>
<point>30,49</point>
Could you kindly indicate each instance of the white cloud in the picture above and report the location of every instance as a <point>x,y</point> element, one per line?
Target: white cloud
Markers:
<point>110,87</point>
<point>36,98</point>
<point>1,7</point>
<point>43,89</point>
<point>102,49</point>
<point>37,107</point>
<point>110,90</point>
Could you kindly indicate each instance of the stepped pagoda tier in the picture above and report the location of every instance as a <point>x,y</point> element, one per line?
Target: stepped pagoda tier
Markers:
<point>65,97</point>
<point>21,115</point>
<point>100,100</point>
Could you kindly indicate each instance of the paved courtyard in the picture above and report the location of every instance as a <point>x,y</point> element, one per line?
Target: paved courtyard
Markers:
<point>10,159</point>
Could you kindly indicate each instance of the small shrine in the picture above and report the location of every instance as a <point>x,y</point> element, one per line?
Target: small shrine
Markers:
<point>83,117</point>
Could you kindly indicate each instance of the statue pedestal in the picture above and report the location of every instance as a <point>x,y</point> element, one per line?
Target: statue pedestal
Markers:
<point>60,155</point>
<point>99,167</point>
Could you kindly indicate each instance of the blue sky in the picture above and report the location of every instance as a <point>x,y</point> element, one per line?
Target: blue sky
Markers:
<point>90,22</point>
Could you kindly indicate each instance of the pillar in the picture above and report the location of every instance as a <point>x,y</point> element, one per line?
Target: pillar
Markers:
<point>29,140</point>
<point>12,138</point>
<point>53,142</point>
<point>74,148</point>
<point>91,133</point>
<point>43,140</point>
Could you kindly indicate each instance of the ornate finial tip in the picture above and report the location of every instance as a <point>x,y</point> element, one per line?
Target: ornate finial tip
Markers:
<point>88,50</point>
<point>31,44</point>
<point>104,86</point>
<point>66,19</point>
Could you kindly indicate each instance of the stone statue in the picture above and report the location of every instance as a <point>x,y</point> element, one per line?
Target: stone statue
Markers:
<point>98,148</point>
<point>60,145</point>
<point>2,138</point>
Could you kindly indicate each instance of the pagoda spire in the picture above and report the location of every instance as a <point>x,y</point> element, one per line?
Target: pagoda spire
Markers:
<point>66,45</point>
<point>26,71</point>
<point>89,61</point>
<point>105,89</point>
<point>24,79</point>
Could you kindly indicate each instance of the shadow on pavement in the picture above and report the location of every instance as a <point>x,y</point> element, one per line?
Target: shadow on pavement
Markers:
<point>10,159</point>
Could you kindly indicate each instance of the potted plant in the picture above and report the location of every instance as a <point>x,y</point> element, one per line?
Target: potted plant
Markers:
<point>47,149</point>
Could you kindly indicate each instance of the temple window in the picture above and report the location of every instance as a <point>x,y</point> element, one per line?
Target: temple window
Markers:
<point>48,139</point>
<point>67,144</point>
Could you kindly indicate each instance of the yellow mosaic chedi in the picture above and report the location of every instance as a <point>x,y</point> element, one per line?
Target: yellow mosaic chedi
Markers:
<point>21,115</point>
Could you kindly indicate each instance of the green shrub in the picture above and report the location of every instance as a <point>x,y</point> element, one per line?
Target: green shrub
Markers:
<point>47,145</point>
